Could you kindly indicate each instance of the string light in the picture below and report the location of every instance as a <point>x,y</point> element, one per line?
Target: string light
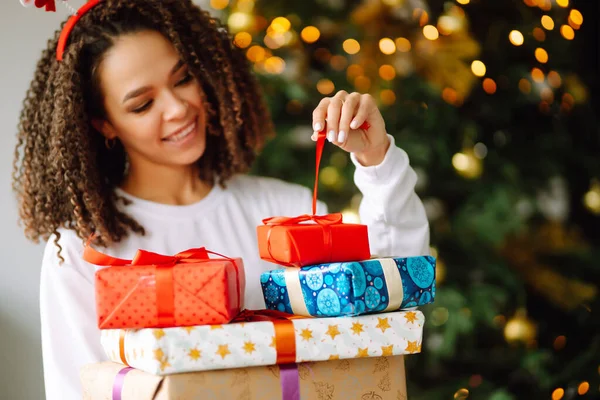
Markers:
<point>567,32</point>
<point>537,75</point>
<point>576,17</point>
<point>338,62</point>
<point>591,199</point>
<point>558,394</point>
<point>256,53</point>
<point>387,46</point>
<point>310,34</point>
<point>387,72</point>
<point>478,68</point>
<point>403,44</point>
<point>388,97</point>
<point>325,86</point>
<point>242,40</point>
<point>430,32</point>
<point>351,46</point>
<point>516,38</point>
<point>547,22</point>
<point>562,3</point>
<point>461,394</point>
<point>489,86</point>
<point>541,55</point>
<point>274,65</point>
<point>554,79</point>
<point>583,388</point>
<point>219,4</point>
<point>354,70</point>
<point>362,83</point>
<point>238,21</point>
<point>560,342</point>
<point>539,34</point>
<point>281,24</point>
<point>463,2</point>
<point>544,5</point>
<point>525,86</point>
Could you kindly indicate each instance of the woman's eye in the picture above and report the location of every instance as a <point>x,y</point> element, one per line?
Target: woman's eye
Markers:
<point>143,107</point>
<point>187,78</point>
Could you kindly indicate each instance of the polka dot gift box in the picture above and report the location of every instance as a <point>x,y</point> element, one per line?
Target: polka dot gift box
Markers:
<point>157,291</point>
<point>351,288</point>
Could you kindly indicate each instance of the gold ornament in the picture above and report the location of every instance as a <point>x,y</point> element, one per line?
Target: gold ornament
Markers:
<point>591,199</point>
<point>467,164</point>
<point>519,328</point>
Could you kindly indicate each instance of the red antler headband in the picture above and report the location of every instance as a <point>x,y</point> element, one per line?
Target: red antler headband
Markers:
<point>66,32</point>
<point>50,5</point>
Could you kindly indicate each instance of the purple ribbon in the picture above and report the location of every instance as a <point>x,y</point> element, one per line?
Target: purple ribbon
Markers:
<point>290,382</point>
<point>118,384</point>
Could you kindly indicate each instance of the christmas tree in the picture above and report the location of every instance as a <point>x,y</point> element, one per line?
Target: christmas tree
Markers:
<point>492,100</point>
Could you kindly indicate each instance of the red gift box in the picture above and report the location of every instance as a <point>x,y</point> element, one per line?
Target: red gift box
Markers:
<point>312,239</point>
<point>157,291</point>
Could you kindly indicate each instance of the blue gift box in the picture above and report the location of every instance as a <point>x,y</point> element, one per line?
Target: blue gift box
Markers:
<point>351,288</point>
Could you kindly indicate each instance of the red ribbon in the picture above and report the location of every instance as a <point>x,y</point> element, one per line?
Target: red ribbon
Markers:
<point>165,296</point>
<point>49,4</point>
<point>323,220</point>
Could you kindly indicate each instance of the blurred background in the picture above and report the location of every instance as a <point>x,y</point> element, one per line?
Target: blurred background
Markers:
<point>493,101</point>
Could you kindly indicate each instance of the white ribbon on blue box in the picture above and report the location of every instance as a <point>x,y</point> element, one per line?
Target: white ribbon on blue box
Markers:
<point>351,288</point>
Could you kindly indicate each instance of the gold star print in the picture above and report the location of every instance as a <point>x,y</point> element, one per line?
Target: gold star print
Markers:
<point>142,352</point>
<point>189,329</point>
<point>158,333</point>
<point>195,354</point>
<point>306,334</point>
<point>333,331</point>
<point>134,354</point>
<point>383,324</point>
<point>387,351</point>
<point>164,364</point>
<point>410,317</point>
<point>213,327</point>
<point>362,352</point>
<point>413,347</point>
<point>357,328</point>
<point>249,347</point>
<point>159,354</point>
<point>334,357</point>
<point>273,343</point>
<point>223,350</point>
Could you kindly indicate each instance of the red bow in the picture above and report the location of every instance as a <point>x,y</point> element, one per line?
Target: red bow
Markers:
<point>49,4</point>
<point>329,219</point>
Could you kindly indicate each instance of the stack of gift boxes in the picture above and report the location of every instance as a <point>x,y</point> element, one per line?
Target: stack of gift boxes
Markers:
<point>337,325</point>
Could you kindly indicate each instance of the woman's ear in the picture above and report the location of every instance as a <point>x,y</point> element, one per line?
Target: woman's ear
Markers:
<point>105,128</point>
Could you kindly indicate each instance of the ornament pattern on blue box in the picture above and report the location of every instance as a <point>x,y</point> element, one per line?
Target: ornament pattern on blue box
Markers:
<point>351,288</point>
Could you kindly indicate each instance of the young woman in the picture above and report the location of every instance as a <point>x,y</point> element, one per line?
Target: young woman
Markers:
<point>139,125</point>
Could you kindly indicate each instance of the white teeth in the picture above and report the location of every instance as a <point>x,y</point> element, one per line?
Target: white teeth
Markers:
<point>182,135</point>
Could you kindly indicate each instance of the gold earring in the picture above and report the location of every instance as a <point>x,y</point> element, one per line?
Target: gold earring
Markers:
<point>110,143</point>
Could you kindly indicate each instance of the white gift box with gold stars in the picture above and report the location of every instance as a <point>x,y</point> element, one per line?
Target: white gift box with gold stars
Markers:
<point>237,345</point>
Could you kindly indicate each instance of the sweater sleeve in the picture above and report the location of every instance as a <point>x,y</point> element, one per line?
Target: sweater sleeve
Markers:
<point>391,209</point>
<point>70,337</point>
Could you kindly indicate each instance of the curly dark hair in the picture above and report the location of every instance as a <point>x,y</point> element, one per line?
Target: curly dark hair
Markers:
<point>64,176</point>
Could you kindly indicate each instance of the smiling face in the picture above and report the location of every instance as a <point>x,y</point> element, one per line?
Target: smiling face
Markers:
<point>153,105</point>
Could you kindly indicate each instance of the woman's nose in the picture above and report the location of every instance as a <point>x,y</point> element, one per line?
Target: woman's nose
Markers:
<point>176,107</point>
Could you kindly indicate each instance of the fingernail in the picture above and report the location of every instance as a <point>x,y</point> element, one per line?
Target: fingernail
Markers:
<point>331,136</point>
<point>342,136</point>
<point>318,127</point>
<point>353,124</point>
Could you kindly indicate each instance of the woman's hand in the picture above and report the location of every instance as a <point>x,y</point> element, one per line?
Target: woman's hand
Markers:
<point>342,115</point>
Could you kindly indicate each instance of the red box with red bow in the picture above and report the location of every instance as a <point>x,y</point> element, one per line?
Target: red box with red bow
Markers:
<point>157,291</point>
<point>312,239</point>
<point>292,242</point>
